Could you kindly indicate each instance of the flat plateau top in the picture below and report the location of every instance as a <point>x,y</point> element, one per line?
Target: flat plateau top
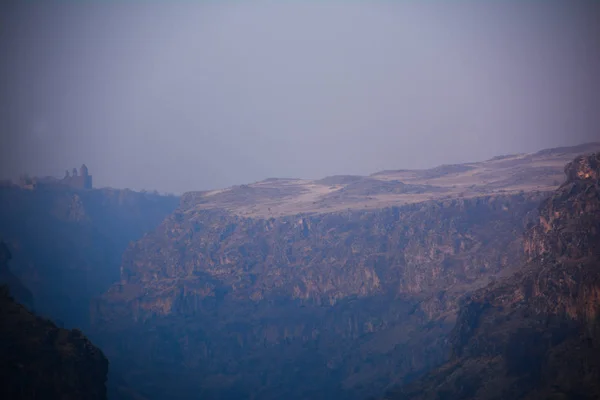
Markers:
<point>541,171</point>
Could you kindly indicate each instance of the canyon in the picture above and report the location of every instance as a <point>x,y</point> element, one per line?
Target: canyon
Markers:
<point>341,287</point>
<point>350,283</point>
<point>67,244</point>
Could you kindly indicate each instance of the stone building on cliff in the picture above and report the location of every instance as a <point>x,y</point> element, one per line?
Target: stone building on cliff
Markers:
<point>79,180</point>
<point>83,180</point>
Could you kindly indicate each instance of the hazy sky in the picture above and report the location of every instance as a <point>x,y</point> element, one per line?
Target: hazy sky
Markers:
<point>191,95</point>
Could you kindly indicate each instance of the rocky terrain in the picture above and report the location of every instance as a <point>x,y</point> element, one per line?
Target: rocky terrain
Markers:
<point>334,288</point>
<point>38,360</point>
<point>67,243</point>
<point>536,334</point>
<point>301,289</point>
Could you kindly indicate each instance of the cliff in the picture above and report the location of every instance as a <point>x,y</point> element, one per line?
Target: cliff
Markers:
<point>536,334</point>
<point>67,243</point>
<point>40,360</point>
<point>223,306</point>
<point>349,283</point>
<point>285,288</point>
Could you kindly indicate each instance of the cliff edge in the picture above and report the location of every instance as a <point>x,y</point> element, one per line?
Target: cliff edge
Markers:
<point>536,334</point>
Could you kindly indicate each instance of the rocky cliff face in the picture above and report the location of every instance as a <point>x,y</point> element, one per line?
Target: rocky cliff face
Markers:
<point>67,243</point>
<point>40,360</point>
<point>283,288</point>
<point>536,334</point>
<point>222,306</point>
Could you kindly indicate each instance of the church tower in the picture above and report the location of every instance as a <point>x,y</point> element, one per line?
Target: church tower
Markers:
<point>87,178</point>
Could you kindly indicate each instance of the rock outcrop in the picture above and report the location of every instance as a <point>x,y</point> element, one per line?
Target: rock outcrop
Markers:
<point>536,334</point>
<point>38,360</point>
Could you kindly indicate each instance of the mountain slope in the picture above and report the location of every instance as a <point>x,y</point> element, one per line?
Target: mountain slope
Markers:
<point>226,300</point>
<point>535,335</point>
<point>41,361</point>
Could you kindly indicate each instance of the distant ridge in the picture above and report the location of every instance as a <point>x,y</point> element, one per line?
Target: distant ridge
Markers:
<point>541,171</point>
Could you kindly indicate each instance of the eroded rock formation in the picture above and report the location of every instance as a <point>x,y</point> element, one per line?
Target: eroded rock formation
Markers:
<point>536,334</point>
<point>234,307</point>
<point>289,288</point>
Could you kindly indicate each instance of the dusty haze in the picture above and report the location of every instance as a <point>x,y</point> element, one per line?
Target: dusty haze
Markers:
<point>181,96</point>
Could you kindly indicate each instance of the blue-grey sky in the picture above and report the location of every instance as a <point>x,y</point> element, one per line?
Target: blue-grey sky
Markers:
<point>191,95</point>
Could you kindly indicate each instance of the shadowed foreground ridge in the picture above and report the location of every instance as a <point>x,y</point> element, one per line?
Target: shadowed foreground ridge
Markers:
<point>38,360</point>
<point>536,334</point>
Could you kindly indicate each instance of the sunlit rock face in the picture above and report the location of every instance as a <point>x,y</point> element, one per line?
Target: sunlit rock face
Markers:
<point>567,225</point>
<point>306,306</point>
<point>536,334</point>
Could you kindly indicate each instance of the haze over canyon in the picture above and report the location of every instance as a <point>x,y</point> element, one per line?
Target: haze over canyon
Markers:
<point>300,200</point>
